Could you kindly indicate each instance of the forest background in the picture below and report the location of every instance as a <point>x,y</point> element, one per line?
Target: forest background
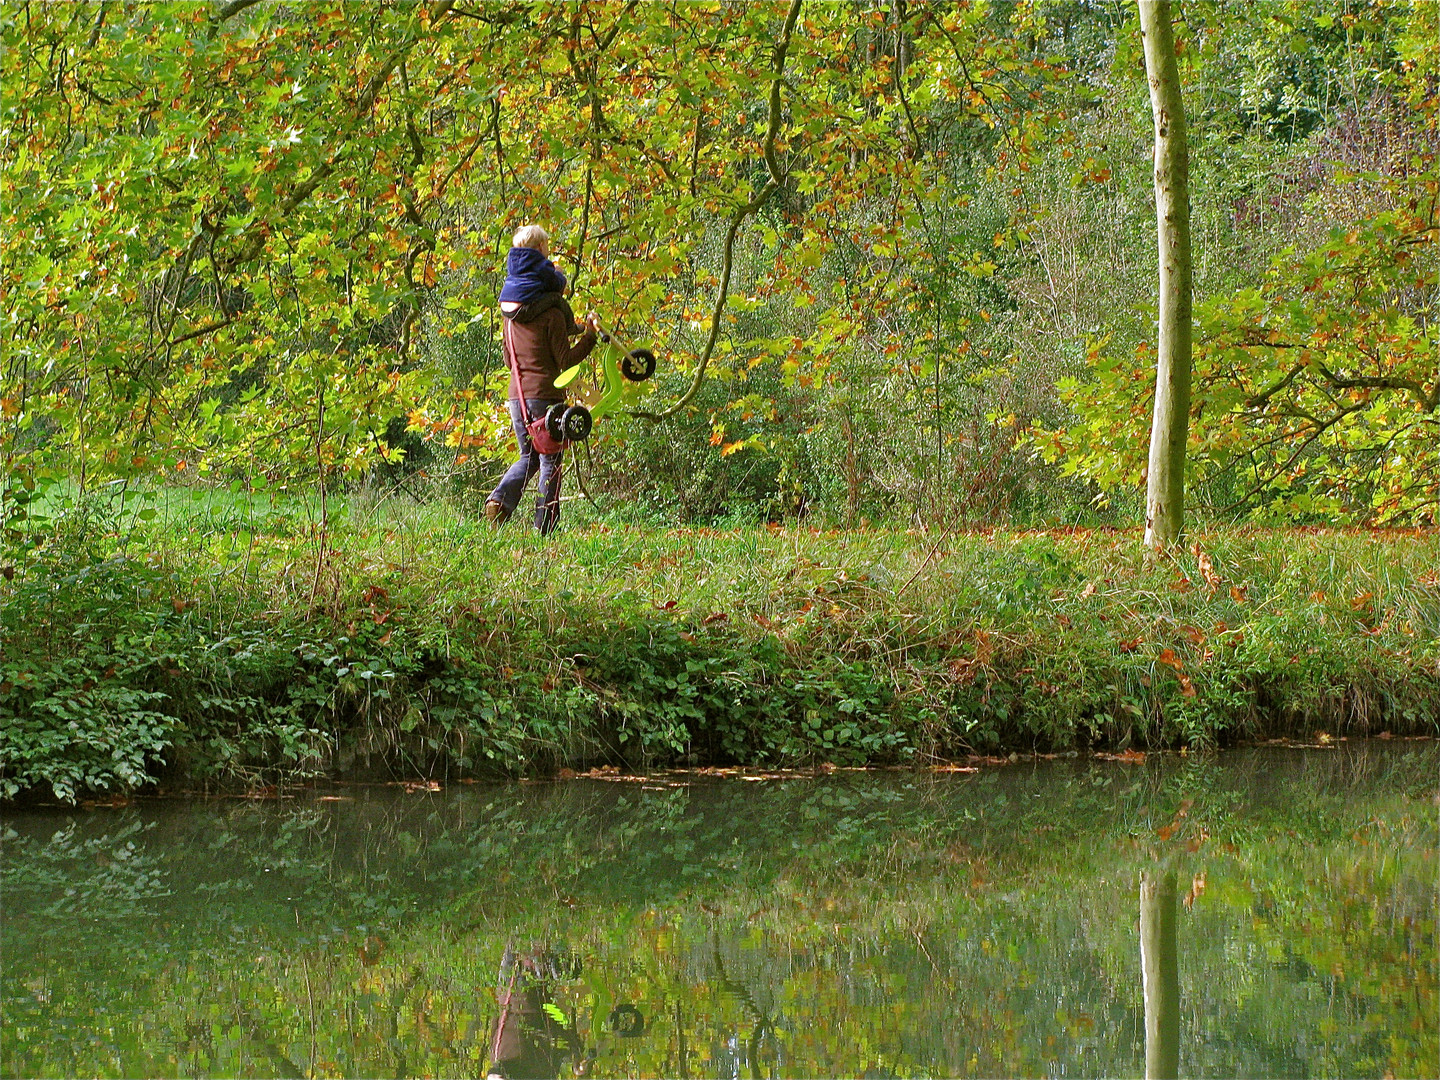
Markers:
<point>898,262</point>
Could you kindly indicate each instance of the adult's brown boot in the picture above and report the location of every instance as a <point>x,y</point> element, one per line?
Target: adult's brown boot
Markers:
<point>495,512</point>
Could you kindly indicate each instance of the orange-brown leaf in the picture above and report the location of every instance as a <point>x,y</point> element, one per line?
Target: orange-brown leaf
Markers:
<point>1207,571</point>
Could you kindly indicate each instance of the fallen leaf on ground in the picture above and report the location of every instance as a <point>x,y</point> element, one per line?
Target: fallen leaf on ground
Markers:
<point>1207,571</point>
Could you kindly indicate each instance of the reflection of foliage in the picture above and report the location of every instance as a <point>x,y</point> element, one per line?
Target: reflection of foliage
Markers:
<point>894,922</point>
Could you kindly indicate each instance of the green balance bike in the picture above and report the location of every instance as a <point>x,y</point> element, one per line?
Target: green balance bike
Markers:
<point>620,367</point>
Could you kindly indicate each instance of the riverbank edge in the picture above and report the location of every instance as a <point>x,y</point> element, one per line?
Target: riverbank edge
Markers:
<point>123,673</point>
<point>322,713</point>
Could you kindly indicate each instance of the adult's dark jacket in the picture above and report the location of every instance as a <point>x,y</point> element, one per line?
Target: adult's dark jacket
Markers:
<point>540,334</point>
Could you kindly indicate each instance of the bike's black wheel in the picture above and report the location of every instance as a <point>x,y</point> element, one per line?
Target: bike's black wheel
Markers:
<point>637,365</point>
<point>555,421</point>
<point>576,423</point>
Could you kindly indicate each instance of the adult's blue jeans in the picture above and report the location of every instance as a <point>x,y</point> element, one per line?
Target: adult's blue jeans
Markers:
<point>517,477</point>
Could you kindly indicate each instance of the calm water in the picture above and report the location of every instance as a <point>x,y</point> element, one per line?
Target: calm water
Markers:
<point>855,924</point>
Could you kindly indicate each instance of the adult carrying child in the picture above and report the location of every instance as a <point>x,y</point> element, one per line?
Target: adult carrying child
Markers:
<point>537,327</point>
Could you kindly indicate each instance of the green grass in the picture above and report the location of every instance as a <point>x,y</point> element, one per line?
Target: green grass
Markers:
<point>221,638</point>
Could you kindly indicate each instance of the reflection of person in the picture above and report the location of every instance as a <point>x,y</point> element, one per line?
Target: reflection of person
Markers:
<point>529,1041</point>
<point>536,329</point>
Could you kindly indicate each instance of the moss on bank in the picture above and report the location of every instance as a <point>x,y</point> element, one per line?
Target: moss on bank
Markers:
<point>427,647</point>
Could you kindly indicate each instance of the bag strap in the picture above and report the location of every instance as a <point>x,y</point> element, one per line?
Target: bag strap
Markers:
<point>510,359</point>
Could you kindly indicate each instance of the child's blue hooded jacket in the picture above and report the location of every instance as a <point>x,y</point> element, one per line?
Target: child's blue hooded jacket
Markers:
<point>528,274</point>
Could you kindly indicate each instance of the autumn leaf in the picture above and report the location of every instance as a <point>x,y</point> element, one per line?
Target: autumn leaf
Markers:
<point>1169,659</point>
<point>1237,593</point>
<point>1207,571</point>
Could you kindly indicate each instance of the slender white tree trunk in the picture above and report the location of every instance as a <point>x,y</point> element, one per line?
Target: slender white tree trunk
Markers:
<point>1165,491</point>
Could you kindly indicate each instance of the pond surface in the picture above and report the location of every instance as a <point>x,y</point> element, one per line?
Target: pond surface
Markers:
<point>853,924</point>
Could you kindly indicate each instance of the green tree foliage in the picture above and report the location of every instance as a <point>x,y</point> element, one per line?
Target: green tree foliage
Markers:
<point>1317,380</point>
<point>227,226</point>
<point>256,242</point>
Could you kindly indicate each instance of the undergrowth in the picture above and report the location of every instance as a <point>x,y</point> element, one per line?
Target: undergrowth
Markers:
<point>257,649</point>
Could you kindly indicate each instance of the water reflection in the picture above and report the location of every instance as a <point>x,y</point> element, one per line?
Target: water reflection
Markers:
<point>860,924</point>
<point>533,1037</point>
<point>1160,972</point>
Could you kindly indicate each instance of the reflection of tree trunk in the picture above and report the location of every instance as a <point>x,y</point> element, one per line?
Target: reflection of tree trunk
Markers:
<point>682,1051</point>
<point>1160,970</point>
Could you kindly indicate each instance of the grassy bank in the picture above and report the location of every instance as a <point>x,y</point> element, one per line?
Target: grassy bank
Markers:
<point>234,647</point>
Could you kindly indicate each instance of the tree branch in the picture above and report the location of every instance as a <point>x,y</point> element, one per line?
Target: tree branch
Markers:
<point>1320,429</point>
<point>225,12</point>
<point>782,47</point>
<point>1262,398</point>
<point>1428,401</point>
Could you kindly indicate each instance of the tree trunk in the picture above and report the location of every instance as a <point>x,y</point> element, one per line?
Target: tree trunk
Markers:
<point>1160,975</point>
<point>1165,491</point>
